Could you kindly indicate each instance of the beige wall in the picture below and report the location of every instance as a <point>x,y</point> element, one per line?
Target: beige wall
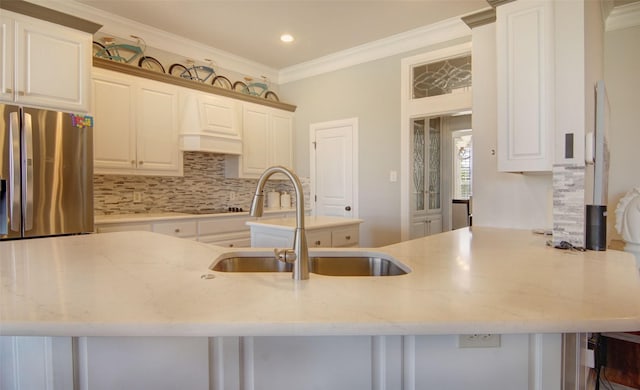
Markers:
<point>370,92</point>
<point>622,78</point>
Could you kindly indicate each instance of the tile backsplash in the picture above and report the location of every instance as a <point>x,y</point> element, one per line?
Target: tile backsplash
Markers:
<point>568,204</point>
<point>203,186</point>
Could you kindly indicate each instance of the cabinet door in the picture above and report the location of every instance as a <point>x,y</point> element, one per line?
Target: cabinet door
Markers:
<point>434,224</point>
<point>524,33</point>
<point>219,116</point>
<point>53,65</point>
<point>281,145</point>
<point>255,138</point>
<point>157,128</point>
<point>113,106</point>
<point>6,59</point>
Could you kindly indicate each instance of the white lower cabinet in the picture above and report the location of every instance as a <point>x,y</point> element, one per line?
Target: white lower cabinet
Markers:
<point>521,362</point>
<point>226,230</point>
<point>36,363</point>
<point>263,236</point>
<point>143,363</point>
<point>182,229</point>
<point>426,225</point>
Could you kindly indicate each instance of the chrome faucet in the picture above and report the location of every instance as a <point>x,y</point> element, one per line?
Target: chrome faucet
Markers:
<point>299,255</point>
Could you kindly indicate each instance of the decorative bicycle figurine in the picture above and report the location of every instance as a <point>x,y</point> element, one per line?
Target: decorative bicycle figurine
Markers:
<point>126,53</point>
<point>199,73</point>
<point>256,88</point>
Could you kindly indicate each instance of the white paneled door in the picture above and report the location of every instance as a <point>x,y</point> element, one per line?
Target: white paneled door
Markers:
<point>334,167</point>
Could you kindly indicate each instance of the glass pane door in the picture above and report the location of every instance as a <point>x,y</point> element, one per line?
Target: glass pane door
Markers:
<point>426,165</point>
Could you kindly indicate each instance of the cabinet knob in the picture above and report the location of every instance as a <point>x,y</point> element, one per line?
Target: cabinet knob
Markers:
<point>177,230</point>
<point>230,245</point>
<point>140,162</point>
<point>133,162</point>
<point>347,237</point>
<point>348,208</point>
<point>318,242</point>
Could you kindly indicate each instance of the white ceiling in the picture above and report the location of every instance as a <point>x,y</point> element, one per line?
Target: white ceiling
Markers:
<point>251,29</point>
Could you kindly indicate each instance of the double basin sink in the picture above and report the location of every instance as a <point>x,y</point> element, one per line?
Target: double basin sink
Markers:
<point>321,263</point>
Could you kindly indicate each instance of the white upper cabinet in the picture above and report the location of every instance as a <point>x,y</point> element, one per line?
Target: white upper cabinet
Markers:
<point>6,58</point>
<point>136,126</point>
<point>267,140</point>
<point>525,53</point>
<point>44,64</point>
<point>210,123</point>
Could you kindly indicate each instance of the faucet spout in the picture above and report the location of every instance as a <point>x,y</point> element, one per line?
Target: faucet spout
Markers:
<point>300,248</point>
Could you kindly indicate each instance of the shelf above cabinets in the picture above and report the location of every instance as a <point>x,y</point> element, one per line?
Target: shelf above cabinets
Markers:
<point>166,78</point>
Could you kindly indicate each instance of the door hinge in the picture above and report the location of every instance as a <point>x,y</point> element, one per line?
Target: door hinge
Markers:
<point>314,145</point>
<point>315,198</point>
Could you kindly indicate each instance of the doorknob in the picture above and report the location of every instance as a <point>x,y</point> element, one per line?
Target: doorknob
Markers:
<point>348,208</point>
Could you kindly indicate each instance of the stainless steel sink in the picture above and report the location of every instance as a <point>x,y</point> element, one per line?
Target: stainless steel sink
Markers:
<point>357,264</point>
<point>354,266</point>
<point>251,264</point>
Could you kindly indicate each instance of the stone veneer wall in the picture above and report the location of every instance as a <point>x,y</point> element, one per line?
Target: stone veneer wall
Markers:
<point>203,186</point>
<point>568,204</point>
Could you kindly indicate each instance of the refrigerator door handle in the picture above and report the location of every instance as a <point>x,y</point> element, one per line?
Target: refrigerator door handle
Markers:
<point>28,173</point>
<point>14,171</point>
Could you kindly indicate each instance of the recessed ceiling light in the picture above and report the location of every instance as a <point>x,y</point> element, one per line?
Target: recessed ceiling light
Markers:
<point>286,38</point>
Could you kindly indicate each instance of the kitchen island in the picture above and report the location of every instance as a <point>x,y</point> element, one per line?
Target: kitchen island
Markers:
<point>485,280</point>
<point>321,231</point>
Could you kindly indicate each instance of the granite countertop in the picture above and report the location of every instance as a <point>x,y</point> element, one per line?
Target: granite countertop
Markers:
<point>167,216</point>
<point>481,281</point>
<point>310,222</point>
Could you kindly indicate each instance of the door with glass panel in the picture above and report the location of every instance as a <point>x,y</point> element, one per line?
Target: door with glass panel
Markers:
<point>434,86</point>
<point>426,209</point>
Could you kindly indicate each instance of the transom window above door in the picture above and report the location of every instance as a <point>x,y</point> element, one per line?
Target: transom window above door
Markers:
<point>452,75</point>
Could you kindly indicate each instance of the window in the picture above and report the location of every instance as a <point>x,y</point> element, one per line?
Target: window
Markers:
<point>443,77</point>
<point>462,151</point>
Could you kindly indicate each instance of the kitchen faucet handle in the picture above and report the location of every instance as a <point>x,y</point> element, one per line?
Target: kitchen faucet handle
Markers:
<point>286,255</point>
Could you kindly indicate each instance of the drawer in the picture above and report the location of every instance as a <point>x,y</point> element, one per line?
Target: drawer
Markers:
<point>223,225</point>
<point>319,239</point>
<point>130,227</point>
<point>233,240</point>
<point>233,243</point>
<point>176,229</point>
<point>346,236</point>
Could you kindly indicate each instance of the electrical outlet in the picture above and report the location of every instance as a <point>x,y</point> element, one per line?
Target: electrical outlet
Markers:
<point>137,196</point>
<point>479,340</point>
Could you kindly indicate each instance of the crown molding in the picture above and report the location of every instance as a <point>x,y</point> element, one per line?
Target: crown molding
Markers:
<point>400,43</point>
<point>624,16</point>
<point>497,3</point>
<point>480,18</point>
<point>49,15</point>
<point>123,27</point>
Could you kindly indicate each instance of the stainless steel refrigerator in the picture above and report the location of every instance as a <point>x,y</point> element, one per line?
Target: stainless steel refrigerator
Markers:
<point>46,173</point>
